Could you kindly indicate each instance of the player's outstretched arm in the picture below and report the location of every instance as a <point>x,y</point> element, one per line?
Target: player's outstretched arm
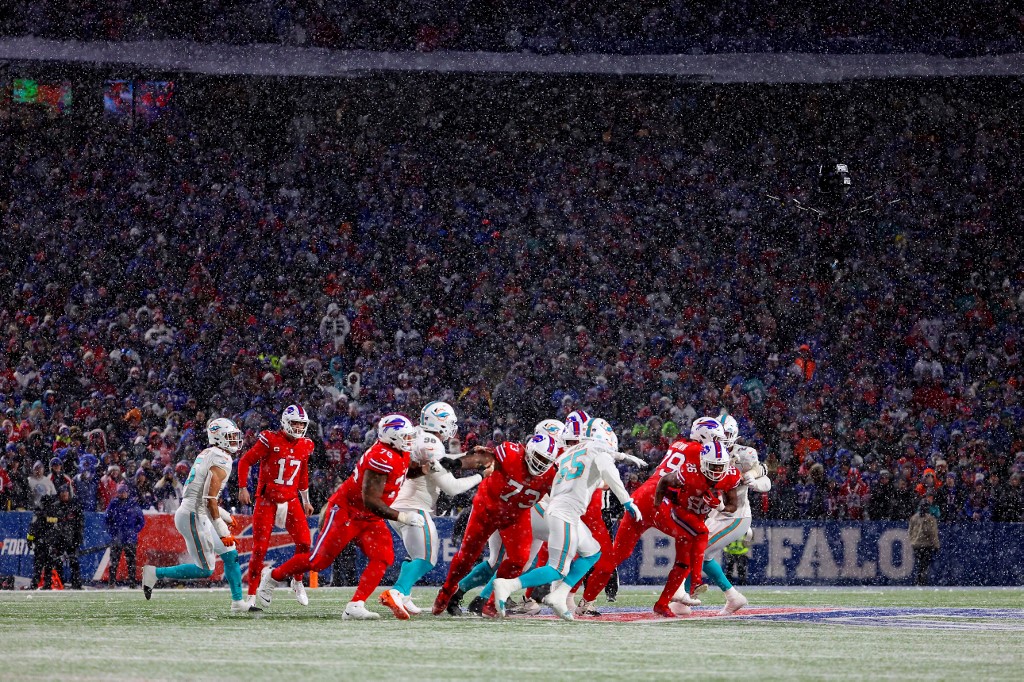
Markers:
<point>217,479</point>
<point>610,475</point>
<point>373,500</point>
<point>450,485</point>
<point>731,501</point>
<point>251,456</point>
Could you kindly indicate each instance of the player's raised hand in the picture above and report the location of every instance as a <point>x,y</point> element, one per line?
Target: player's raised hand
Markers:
<point>243,496</point>
<point>634,511</point>
<point>410,519</point>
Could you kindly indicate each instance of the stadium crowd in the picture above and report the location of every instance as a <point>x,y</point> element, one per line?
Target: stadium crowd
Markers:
<point>575,26</point>
<point>636,251</point>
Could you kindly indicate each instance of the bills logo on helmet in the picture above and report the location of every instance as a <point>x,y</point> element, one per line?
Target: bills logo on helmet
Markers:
<point>708,423</point>
<point>539,439</point>
<point>395,423</point>
<point>575,422</point>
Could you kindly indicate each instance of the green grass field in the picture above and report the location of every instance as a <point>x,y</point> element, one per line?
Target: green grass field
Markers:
<point>189,634</point>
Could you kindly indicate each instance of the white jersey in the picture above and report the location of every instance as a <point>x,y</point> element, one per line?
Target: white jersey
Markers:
<point>421,493</point>
<point>581,468</point>
<point>745,458</point>
<point>197,485</point>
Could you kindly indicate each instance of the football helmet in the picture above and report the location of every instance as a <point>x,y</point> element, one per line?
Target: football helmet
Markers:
<point>714,461</point>
<point>397,431</point>
<point>438,417</point>
<point>541,452</point>
<point>745,458</point>
<point>706,430</point>
<point>294,421</point>
<point>731,429</point>
<point>553,428</point>
<point>600,431</point>
<point>222,433</point>
<point>574,425</point>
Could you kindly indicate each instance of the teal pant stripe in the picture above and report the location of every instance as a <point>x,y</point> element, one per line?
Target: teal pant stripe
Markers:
<point>195,539</point>
<point>725,531</point>
<point>540,509</point>
<point>565,549</point>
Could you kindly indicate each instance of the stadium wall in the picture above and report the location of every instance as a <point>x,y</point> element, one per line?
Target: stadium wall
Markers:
<point>782,552</point>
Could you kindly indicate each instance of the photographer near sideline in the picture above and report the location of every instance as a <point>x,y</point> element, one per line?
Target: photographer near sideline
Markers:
<point>56,533</point>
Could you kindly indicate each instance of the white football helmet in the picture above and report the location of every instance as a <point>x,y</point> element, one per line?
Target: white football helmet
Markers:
<point>541,451</point>
<point>294,421</point>
<point>574,425</point>
<point>745,458</point>
<point>707,430</point>
<point>600,431</point>
<point>438,417</point>
<point>731,429</point>
<point>714,461</point>
<point>222,433</point>
<point>397,431</point>
<point>553,428</point>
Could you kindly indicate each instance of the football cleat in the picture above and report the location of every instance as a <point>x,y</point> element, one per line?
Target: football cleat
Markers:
<point>683,598</point>
<point>299,590</point>
<point>503,589</point>
<point>528,607</point>
<point>356,610</point>
<point>244,606</point>
<point>699,588</point>
<point>455,603</point>
<point>441,601</point>
<point>586,608</point>
<point>412,608</point>
<point>489,610</point>
<point>265,593</point>
<point>678,609</point>
<point>393,600</point>
<point>558,599</point>
<point>665,610</point>
<point>734,601</point>
<point>148,580</point>
<point>476,606</point>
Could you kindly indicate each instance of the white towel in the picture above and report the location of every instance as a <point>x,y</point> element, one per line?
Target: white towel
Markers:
<point>281,517</point>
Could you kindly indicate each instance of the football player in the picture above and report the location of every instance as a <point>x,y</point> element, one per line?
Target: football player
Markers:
<point>357,511</point>
<point>572,549</point>
<point>206,527</point>
<point>725,528</point>
<point>703,430</point>
<point>438,425</point>
<point>283,457</point>
<point>682,500</point>
<point>522,476</point>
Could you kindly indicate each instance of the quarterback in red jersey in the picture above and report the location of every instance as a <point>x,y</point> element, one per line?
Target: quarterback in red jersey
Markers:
<point>703,431</point>
<point>357,511</point>
<point>683,499</point>
<point>283,457</point>
<point>522,476</point>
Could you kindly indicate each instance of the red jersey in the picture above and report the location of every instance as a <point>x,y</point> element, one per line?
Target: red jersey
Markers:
<point>284,466</point>
<point>382,459</point>
<point>511,489</point>
<point>690,496</point>
<point>673,460</point>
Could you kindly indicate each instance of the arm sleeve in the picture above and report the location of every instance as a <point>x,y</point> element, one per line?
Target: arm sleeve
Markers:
<point>304,472</point>
<point>610,475</point>
<point>452,486</point>
<point>253,455</point>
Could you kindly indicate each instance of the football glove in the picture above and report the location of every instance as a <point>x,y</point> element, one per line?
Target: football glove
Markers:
<point>228,540</point>
<point>712,500</point>
<point>410,519</point>
<point>634,511</point>
<point>449,464</point>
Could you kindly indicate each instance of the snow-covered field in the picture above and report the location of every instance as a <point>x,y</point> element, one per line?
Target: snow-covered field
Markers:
<point>841,634</point>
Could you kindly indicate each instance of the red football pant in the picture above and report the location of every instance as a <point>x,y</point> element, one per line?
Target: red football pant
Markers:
<point>625,540</point>
<point>691,539</point>
<point>263,527</point>
<point>372,536</point>
<point>516,536</point>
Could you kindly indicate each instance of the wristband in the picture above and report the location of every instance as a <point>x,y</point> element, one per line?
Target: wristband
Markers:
<point>221,528</point>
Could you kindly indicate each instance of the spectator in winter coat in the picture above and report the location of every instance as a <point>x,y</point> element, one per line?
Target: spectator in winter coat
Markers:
<point>108,485</point>
<point>40,484</point>
<point>978,506</point>
<point>334,328</point>
<point>881,501</point>
<point>86,483</point>
<point>57,475</point>
<point>167,492</point>
<point>124,522</point>
<point>853,496</point>
<point>904,500</point>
